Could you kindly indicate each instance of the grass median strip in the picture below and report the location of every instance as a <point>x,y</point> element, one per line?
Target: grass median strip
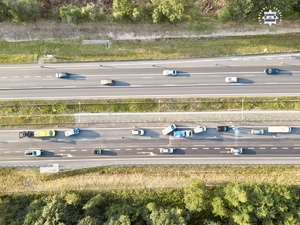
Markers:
<point>75,51</point>
<point>41,113</point>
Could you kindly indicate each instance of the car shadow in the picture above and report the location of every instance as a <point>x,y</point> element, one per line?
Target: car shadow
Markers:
<point>247,151</point>
<point>295,57</point>
<point>75,77</point>
<point>179,151</point>
<point>182,74</point>
<point>50,154</point>
<point>245,81</point>
<point>108,153</point>
<point>121,83</point>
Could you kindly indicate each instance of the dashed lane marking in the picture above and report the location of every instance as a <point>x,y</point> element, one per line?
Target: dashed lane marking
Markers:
<point>194,148</point>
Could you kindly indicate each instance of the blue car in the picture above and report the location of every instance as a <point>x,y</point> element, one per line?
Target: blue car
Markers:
<point>271,71</point>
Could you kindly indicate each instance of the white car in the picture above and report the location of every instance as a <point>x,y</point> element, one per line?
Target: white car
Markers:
<point>170,72</point>
<point>72,132</point>
<point>199,129</point>
<point>166,150</point>
<point>138,132</point>
<point>33,153</point>
<point>253,131</point>
<point>231,79</point>
<point>236,151</point>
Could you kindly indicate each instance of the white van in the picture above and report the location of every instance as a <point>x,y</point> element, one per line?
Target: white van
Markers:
<point>169,129</point>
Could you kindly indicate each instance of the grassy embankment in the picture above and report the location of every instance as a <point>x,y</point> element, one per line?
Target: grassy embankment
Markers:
<point>139,177</point>
<point>75,51</point>
<point>43,113</point>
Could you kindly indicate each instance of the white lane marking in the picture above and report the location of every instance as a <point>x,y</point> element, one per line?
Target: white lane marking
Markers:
<point>139,149</point>
<point>128,149</point>
<point>117,149</point>
<point>258,59</point>
<point>69,86</point>
<point>147,77</point>
<point>61,150</point>
<point>48,76</point>
<point>4,77</point>
<point>27,76</point>
<point>84,150</point>
<point>245,59</point>
<point>183,148</point>
<point>296,148</point>
<point>199,145</point>
<point>37,76</point>
<point>285,148</point>
<point>18,151</point>
<point>251,148</point>
<point>280,58</point>
<point>150,148</point>
<point>248,75</point>
<point>216,148</point>
<point>205,148</point>
<point>73,150</point>
<point>194,148</point>
<point>7,152</point>
<point>269,58</point>
<point>67,147</point>
<point>262,148</point>
<point>273,148</point>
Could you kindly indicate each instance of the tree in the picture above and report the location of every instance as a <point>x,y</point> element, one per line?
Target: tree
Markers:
<point>195,195</point>
<point>4,10</point>
<point>166,216</point>
<point>124,9</point>
<point>172,10</point>
<point>25,10</point>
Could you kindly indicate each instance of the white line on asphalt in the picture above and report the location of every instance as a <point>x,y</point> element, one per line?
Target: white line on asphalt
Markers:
<point>248,75</point>
<point>18,151</point>
<point>37,76</point>
<point>251,148</point>
<point>205,148</point>
<point>199,145</point>
<point>194,148</point>
<point>4,77</point>
<point>69,86</point>
<point>3,149</point>
<point>258,59</point>
<point>280,58</point>
<point>269,58</point>
<point>128,149</point>
<point>61,150</point>
<point>84,150</point>
<point>273,148</point>
<point>296,148</point>
<point>67,147</point>
<point>73,150</point>
<point>117,149</point>
<point>48,76</point>
<point>27,76</point>
<point>150,148</point>
<point>262,148</point>
<point>183,148</point>
<point>285,148</point>
<point>216,148</point>
<point>7,152</point>
<point>139,149</point>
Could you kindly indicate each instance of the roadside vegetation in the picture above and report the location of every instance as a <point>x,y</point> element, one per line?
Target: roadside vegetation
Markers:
<point>184,195</point>
<point>75,51</point>
<point>60,112</point>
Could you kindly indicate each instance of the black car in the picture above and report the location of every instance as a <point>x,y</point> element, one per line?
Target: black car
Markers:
<point>62,75</point>
<point>271,71</point>
<point>222,128</point>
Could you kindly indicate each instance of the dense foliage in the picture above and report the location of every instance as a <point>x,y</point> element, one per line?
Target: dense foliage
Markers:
<point>234,203</point>
<point>151,11</point>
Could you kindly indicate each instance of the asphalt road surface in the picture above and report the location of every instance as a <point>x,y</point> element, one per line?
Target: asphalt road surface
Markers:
<point>196,77</point>
<point>119,147</point>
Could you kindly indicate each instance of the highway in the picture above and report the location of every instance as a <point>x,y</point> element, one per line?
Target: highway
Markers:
<point>196,77</point>
<point>118,145</point>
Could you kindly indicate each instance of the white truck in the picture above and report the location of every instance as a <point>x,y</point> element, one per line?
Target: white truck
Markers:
<point>168,129</point>
<point>279,129</point>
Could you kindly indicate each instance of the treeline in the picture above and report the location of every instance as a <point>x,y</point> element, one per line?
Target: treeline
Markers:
<point>149,11</point>
<point>234,203</point>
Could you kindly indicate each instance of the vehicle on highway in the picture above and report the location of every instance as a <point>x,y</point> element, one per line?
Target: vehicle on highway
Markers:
<point>138,132</point>
<point>33,153</point>
<point>222,128</point>
<point>231,79</point>
<point>259,131</point>
<point>236,151</point>
<point>72,132</point>
<point>169,129</point>
<point>107,82</point>
<point>279,129</point>
<point>199,129</point>
<point>62,75</point>
<point>37,133</point>
<point>170,72</point>
<point>166,150</point>
<point>271,71</point>
<point>97,151</point>
<point>183,133</point>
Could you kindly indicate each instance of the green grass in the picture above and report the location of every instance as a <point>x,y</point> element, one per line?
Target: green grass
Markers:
<point>140,177</point>
<point>41,113</point>
<point>74,51</point>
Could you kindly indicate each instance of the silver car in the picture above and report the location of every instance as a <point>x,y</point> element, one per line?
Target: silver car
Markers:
<point>231,79</point>
<point>253,131</point>
<point>236,151</point>
<point>170,72</point>
<point>166,150</point>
